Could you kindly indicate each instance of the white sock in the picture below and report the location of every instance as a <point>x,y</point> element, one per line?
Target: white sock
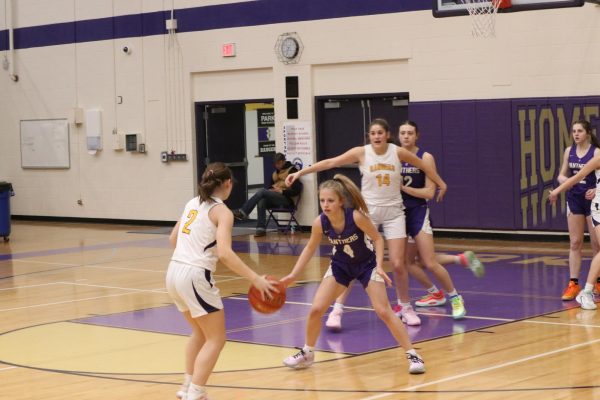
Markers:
<point>404,305</point>
<point>412,352</point>
<point>308,349</point>
<point>433,289</point>
<point>453,293</point>
<point>195,392</point>
<point>338,306</point>
<point>187,379</point>
<point>588,287</point>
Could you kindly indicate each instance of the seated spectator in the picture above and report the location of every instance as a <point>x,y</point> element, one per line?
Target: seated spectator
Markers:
<point>277,195</point>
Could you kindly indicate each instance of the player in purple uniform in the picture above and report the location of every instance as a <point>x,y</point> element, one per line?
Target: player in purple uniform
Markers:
<point>380,166</point>
<point>352,235</point>
<point>417,220</point>
<point>585,297</point>
<point>584,148</point>
<point>416,190</point>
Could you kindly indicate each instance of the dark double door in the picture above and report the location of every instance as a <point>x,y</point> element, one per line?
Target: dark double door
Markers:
<point>221,136</point>
<point>343,123</point>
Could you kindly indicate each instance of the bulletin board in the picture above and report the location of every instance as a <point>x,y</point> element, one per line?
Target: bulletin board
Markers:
<point>45,143</point>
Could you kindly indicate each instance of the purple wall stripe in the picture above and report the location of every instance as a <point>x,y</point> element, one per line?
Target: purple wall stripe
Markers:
<point>203,18</point>
<point>4,40</point>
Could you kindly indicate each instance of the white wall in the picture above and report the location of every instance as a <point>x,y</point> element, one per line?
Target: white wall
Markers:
<point>543,53</point>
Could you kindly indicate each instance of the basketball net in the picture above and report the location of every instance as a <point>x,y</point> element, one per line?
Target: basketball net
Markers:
<point>483,16</point>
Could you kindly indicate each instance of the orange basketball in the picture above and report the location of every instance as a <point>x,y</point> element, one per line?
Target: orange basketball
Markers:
<point>267,306</point>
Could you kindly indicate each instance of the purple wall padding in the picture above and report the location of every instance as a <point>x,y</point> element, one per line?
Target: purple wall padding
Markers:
<point>428,116</point>
<point>494,165</point>
<point>459,138</point>
<point>500,158</point>
<point>464,137</point>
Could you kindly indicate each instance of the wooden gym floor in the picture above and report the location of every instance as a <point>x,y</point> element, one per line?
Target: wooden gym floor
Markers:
<point>84,314</point>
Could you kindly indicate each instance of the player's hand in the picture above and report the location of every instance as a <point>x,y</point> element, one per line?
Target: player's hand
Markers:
<point>441,193</point>
<point>287,280</point>
<point>264,286</point>
<point>553,196</point>
<point>291,178</point>
<point>385,277</point>
<point>590,194</point>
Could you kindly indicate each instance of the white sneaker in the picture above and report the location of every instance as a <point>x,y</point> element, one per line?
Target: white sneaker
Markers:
<point>407,315</point>
<point>458,307</point>
<point>301,359</point>
<point>415,364</point>
<point>181,394</point>
<point>586,299</point>
<point>334,320</point>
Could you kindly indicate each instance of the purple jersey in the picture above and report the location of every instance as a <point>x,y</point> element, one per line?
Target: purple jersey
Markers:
<point>575,164</point>
<point>415,178</point>
<point>350,246</point>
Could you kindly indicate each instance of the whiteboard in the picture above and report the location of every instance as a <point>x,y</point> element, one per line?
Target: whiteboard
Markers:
<point>45,143</point>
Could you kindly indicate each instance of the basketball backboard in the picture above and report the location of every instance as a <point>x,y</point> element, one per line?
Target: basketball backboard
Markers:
<point>452,8</point>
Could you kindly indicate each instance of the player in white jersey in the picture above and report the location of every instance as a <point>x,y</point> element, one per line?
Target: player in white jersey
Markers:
<point>380,165</point>
<point>201,237</point>
<point>586,296</point>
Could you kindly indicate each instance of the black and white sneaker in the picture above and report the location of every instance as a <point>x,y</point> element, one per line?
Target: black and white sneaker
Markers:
<point>415,364</point>
<point>300,360</point>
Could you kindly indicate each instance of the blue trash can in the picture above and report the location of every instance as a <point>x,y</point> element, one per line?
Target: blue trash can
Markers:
<point>6,191</point>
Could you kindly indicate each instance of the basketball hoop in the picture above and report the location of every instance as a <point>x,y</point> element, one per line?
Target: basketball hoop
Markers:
<point>483,16</point>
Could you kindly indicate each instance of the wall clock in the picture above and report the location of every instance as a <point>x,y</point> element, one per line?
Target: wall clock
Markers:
<point>289,48</point>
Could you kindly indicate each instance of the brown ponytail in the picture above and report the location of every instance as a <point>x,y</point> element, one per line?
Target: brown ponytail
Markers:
<point>348,191</point>
<point>214,176</point>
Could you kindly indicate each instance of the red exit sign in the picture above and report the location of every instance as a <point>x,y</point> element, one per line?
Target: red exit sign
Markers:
<point>228,50</point>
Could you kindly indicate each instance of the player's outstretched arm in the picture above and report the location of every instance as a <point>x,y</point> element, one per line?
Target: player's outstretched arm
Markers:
<point>307,253</point>
<point>591,165</point>
<point>353,155</point>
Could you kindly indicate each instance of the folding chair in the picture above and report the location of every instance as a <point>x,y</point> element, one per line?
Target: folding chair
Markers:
<point>285,224</point>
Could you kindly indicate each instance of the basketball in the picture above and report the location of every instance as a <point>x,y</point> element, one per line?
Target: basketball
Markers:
<point>267,306</point>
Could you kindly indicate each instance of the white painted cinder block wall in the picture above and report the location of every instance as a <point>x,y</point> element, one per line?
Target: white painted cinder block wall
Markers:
<point>535,54</point>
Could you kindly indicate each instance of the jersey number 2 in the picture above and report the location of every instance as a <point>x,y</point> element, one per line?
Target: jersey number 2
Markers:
<point>191,217</point>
